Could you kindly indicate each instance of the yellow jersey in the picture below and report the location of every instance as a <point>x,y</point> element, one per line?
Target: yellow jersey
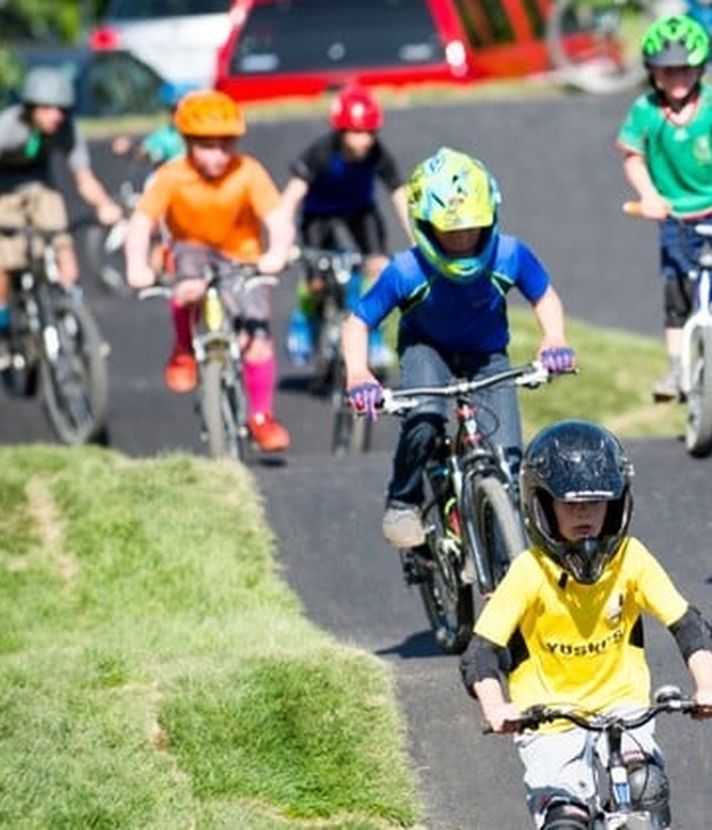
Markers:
<point>578,644</point>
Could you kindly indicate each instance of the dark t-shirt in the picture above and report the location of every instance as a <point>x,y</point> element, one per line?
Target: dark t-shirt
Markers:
<point>25,152</point>
<point>337,186</point>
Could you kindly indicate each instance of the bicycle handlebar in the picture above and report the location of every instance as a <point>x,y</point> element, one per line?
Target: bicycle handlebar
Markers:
<point>535,716</point>
<point>530,375</point>
<point>245,271</point>
<point>635,209</point>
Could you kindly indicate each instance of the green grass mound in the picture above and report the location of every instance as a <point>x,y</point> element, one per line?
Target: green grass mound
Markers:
<point>154,670</point>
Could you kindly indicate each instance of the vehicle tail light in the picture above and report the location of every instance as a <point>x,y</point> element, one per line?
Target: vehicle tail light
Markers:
<point>104,38</point>
<point>456,56</point>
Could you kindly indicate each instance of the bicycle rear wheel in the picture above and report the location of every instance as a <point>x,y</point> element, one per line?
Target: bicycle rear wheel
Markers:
<point>446,595</point>
<point>73,373</point>
<point>225,433</point>
<point>596,43</point>
<point>492,529</point>
<point>698,430</point>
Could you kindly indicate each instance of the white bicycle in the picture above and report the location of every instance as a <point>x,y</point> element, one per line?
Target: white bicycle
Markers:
<point>696,354</point>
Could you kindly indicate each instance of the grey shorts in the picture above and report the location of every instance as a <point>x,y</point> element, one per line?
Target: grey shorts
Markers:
<point>250,309</point>
<point>559,766</point>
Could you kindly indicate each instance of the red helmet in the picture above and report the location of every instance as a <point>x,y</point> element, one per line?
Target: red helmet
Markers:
<point>354,108</point>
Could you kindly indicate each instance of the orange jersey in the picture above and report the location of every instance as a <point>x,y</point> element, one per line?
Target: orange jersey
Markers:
<point>225,214</point>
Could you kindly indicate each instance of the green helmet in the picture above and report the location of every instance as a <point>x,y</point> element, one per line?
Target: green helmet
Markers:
<point>47,86</point>
<point>453,191</point>
<point>675,40</point>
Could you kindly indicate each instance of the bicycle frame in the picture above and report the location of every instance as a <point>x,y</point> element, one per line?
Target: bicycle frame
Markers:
<point>471,455</point>
<point>702,316</point>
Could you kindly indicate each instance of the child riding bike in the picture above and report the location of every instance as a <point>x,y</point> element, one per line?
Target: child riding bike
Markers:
<point>216,204</point>
<point>30,132</point>
<point>451,290</point>
<point>332,184</point>
<point>667,150</point>
<point>564,626</point>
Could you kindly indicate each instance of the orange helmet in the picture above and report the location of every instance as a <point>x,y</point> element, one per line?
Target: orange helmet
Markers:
<point>354,108</point>
<point>206,113</point>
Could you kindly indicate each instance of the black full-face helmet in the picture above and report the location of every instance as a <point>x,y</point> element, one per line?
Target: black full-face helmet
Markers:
<point>576,461</point>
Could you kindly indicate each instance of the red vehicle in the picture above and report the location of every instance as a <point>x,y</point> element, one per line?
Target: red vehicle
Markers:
<point>305,47</point>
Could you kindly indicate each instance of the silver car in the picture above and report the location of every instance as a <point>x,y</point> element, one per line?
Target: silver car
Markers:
<point>179,38</point>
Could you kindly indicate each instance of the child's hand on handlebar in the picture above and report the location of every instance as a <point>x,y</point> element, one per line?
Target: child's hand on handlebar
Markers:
<point>502,717</point>
<point>271,263</point>
<point>365,395</point>
<point>140,277</point>
<point>557,359</point>
<point>651,207</point>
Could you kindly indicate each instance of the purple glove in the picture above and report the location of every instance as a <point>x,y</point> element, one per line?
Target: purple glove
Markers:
<point>558,360</point>
<point>366,398</point>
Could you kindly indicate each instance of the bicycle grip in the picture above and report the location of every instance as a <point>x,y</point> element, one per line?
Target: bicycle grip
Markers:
<point>634,209</point>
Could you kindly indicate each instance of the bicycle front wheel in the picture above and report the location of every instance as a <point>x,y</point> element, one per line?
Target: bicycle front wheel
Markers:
<point>698,431</point>
<point>595,44</point>
<point>218,403</point>
<point>446,595</point>
<point>350,432</point>
<point>73,373</point>
<point>492,528</point>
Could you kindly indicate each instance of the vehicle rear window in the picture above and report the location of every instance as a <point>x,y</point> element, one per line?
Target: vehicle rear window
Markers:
<point>145,9</point>
<point>306,35</point>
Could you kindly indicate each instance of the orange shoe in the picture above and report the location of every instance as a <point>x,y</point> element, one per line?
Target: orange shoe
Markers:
<point>181,372</point>
<point>269,434</point>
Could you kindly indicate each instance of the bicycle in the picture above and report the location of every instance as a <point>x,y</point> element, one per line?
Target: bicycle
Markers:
<point>55,345</point>
<point>614,807</point>
<point>470,510</point>
<point>221,396</point>
<point>595,44</point>
<point>696,353</point>
<point>104,245</point>
<point>339,273</point>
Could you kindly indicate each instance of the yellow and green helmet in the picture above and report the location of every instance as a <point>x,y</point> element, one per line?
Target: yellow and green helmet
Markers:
<point>452,191</point>
<point>676,40</point>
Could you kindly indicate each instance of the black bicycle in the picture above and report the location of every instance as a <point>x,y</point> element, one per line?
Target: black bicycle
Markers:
<point>470,510</point>
<point>221,396</point>
<point>55,345</point>
<point>614,807</point>
<point>337,272</point>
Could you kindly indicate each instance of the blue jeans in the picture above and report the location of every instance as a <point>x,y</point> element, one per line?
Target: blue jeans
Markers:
<point>424,365</point>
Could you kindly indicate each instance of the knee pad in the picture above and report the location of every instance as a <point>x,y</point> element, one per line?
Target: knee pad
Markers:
<point>567,816</point>
<point>649,787</point>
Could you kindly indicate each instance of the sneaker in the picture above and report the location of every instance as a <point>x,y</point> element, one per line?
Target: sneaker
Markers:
<point>402,526</point>
<point>181,372</point>
<point>300,339</point>
<point>667,388</point>
<point>268,433</point>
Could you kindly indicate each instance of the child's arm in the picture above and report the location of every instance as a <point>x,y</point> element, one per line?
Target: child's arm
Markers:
<point>496,709</point>
<point>400,203</point>
<point>700,666</point>
<point>636,172</point>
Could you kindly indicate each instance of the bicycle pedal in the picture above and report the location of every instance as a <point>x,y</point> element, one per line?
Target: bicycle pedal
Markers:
<point>415,567</point>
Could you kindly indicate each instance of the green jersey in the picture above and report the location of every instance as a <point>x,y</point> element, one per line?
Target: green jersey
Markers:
<point>678,156</point>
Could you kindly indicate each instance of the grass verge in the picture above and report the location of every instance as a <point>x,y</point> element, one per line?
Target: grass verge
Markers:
<point>154,670</point>
<point>617,370</point>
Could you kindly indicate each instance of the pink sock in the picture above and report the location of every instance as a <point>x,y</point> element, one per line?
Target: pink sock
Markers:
<point>182,325</point>
<point>259,384</point>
